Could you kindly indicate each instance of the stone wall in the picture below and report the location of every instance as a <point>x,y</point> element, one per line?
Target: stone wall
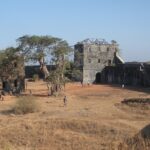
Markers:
<point>130,74</point>
<point>93,58</point>
<point>13,77</point>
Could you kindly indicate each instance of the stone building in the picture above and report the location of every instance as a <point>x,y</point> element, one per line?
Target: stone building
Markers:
<point>129,73</point>
<point>92,56</point>
<point>13,75</point>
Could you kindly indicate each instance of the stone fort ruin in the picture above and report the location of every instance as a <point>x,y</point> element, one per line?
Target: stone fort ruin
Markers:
<point>99,62</point>
<point>96,61</point>
<point>91,56</point>
<point>12,77</point>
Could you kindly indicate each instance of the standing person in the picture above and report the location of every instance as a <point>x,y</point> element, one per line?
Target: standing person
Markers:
<point>1,97</point>
<point>122,86</point>
<point>52,91</point>
<point>49,93</point>
<point>26,84</point>
<point>30,91</point>
<point>65,100</point>
<point>64,86</point>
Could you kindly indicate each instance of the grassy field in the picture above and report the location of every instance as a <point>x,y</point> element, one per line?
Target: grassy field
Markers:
<point>94,119</point>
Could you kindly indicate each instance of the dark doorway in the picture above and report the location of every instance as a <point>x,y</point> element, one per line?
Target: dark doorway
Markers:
<point>15,83</point>
<point>98,77</point>
<point>4,85</point>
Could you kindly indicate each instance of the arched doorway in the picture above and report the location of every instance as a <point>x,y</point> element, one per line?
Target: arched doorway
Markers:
<point>98,77</point>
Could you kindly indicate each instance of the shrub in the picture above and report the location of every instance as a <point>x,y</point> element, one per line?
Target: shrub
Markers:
<point>35,77</point>
<point>77,75</point>
<point>26,105</point>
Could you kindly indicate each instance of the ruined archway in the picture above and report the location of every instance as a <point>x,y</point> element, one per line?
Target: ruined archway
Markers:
<point>98,78</point>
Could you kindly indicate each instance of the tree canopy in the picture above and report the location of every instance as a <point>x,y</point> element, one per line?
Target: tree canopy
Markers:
<point>34,47</point>
<point>37,48</point>
<point>8,60</point>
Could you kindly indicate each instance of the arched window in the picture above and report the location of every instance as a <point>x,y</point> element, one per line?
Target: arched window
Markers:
<point>109,62</point>
<point>89,60</point>
<point>108,49</point>
<point>15,64</point>
<point>90,49</point>
<point>99,48</point>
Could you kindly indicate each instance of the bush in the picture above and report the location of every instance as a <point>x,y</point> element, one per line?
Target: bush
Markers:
<point>77,75</point>
<point>35,77</point>
<point>26,105</point>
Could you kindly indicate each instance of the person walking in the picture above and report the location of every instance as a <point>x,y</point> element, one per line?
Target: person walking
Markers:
<point>1,97</point>
<point>65,100</point>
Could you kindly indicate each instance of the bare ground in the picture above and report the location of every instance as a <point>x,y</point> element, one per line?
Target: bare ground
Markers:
<point>93,119</point>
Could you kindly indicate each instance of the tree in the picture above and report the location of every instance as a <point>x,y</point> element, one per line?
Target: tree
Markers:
<point>116,45</point>
<point>36,48</point>
<point>113,42</point>
<point>11,69</point>
<point>59,53</point>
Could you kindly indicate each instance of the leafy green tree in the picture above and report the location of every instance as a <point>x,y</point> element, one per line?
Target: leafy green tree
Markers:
<point>59,59</point>
<point>11,67</point>
<point>8,59</point>
<point>113,42</point>
<point>36,48</point>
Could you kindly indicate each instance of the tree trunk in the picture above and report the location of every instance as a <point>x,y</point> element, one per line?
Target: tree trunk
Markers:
<point>43,67</point>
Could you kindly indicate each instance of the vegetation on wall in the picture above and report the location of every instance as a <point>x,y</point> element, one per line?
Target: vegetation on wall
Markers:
<point>11,69</point>
<point>37,49</point>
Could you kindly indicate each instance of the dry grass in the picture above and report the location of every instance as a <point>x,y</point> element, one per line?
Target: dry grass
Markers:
<point>25,105</point>
<point>91,121</point>
<point>135,108</point>
<point>60,134</point>
<point>140,141</point>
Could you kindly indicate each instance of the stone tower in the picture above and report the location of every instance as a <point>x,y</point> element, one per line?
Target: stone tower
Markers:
<point>13,75</point>
<point>92,56</point>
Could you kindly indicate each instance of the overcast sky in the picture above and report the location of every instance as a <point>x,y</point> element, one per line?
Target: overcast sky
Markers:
<point>126,21</point>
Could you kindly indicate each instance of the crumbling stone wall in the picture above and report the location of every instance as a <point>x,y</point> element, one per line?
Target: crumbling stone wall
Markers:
<point>13,76</point>
<point>131,73</point>
<point>92,57</point>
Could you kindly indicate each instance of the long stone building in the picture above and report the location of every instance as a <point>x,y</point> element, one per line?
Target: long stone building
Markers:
<point>129,73</point>
<point>98,61</point>
<point>92,56</point>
